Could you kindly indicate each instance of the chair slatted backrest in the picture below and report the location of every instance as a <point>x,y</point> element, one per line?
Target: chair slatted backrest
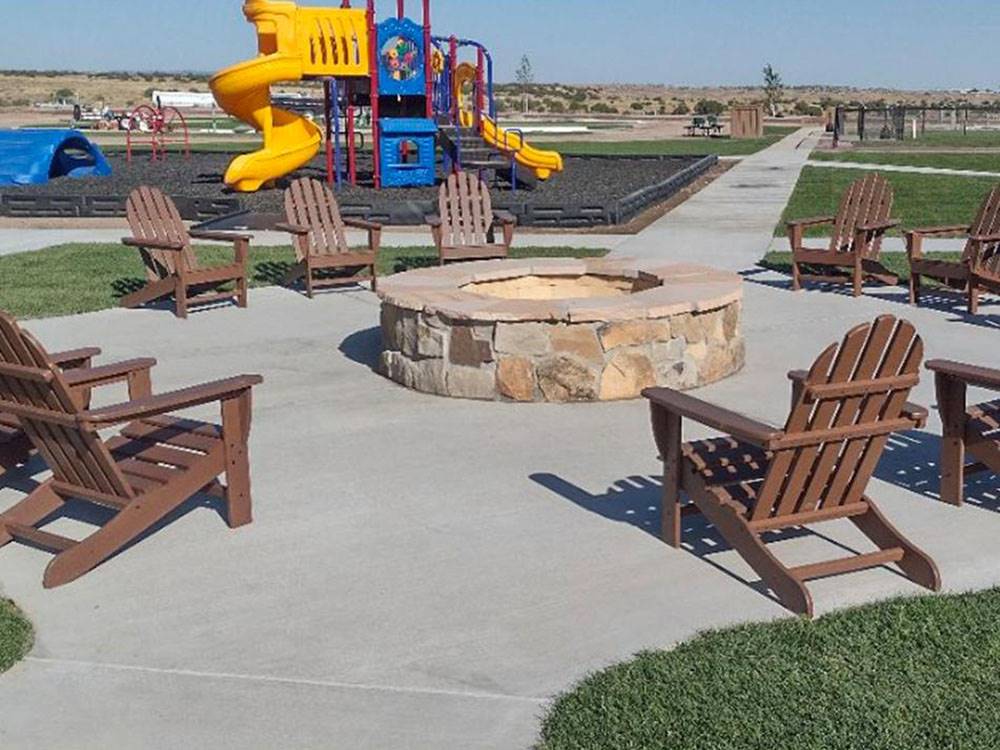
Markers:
<point>33,388</point>
<point>466,210</point>
<point>311,203</point>
<point>866,201</point>
<point>153,216</point>
<point>841,420</point>
<point>987,222</point>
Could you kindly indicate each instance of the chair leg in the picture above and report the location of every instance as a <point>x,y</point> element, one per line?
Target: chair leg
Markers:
<point>916,563</point>
<point>790,591</point>
<point>951,396</point>
<point>858,279</point>
<point>180,301</point>
<point>796,276</point>
<point>310,292</point>
<point>973,296</point>
<point>241,291</point>
<point>374,280</point>
<point>235,434</point>
<point>914,288</point>
<point>152,291</point>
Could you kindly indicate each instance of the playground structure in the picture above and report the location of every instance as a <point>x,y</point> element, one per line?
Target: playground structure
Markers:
<point>160,127</point>
<point>417,91</point>
<point>34,156</point>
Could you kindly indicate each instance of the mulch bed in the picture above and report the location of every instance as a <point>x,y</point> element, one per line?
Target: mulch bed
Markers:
<point>588,193</point>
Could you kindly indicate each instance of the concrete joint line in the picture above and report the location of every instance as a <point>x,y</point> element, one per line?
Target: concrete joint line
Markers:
<point>274,679</point>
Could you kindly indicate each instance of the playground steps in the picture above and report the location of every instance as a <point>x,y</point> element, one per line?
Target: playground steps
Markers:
<point>467,147</point>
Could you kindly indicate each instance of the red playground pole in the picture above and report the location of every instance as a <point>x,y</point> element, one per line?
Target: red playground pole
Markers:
<point>328,111</point>
<point>428,65</point>
<point>373,63</point>
<point>400,9</point>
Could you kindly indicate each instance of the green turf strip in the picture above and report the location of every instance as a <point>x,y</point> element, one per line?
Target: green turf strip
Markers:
<point>77,278</point>
<point>907,674</point>
<point>920,200</point>
<point>16,635</point>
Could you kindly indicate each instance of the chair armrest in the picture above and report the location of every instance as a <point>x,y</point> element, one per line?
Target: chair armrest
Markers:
<point>815,221</point>
<point>916,413</point>
<point>371,226</point>
<point>170,402</point>
<point>204,234</point>
<point>504,217</point>
<point>153,243</point>
<point>88,376</point>
<point>985,237</point>
<point>716,417</point>
<point>433,219</point>
<point>954,229</point>
<point>292,228</point>
<point>982,377</point>
<point>878,226</point>
<point>74,357</point>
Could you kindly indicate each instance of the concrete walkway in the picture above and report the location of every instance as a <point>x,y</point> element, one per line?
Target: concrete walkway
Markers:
<point>427,572</point>
<point>900,168</point>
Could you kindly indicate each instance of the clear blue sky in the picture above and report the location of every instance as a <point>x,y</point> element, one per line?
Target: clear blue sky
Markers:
<point>892,43</point>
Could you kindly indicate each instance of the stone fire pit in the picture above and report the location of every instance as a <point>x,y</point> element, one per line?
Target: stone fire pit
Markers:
<point>560,329</point>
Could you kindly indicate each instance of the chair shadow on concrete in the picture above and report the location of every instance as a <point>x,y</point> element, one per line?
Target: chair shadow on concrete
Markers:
<point>363,347</point>
<point>635,500</point>
<point>22,479</point>
<point>932,298</point>
<point>912,461</point>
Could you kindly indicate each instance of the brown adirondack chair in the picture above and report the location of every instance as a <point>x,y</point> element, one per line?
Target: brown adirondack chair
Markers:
<point>82,377</point>
<point>320,239</point>
<point>979,268</point>
<point>155,464</point>
<point>172,267</point>
<point>853,254</point>
<point>465,226</point>
<point>761,478</point>
<point>974,430</point>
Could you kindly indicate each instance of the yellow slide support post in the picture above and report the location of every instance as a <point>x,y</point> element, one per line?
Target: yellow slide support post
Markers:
<point>293,43</point>
<point>543,163</point>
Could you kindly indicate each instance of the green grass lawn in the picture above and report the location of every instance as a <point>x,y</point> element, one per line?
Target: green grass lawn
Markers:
<point>938,139</point>
<point>16,635</point>
<point>77,278</point>
<point>673,147</point>
<point>921,200</point>
<point>987,162</point>
<point>781,261</point>
<point>907,674</point>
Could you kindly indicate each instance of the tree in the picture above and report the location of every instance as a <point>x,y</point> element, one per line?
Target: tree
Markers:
<point>63,95</point>
<point>773,89</point>
<point>709,107</point>
<point>525,76</point>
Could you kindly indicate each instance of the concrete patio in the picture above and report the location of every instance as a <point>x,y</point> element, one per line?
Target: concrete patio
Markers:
<point>429,573</point>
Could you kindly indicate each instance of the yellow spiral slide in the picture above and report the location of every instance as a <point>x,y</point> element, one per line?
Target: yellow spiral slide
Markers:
<point>294,43</point>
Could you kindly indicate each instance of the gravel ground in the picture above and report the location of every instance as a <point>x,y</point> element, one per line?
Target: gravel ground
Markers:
<point>587,183</point>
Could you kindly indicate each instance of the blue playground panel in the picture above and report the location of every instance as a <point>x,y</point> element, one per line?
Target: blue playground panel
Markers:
<point>407,149</point>
<point>34,156</point>
<point>401,58</point>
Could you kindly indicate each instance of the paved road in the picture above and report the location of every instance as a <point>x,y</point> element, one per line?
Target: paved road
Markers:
<point>425,572</point>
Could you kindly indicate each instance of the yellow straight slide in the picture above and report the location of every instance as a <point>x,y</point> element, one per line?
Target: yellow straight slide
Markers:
<point>290,141</point>
<point>542,163</point>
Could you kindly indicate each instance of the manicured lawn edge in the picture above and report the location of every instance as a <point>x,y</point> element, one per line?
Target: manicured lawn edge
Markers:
<point>901,674</point>
<point>16,635</point>
<point>78,278</point>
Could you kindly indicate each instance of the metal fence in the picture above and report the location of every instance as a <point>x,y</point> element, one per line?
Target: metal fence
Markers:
<point>906,122</point>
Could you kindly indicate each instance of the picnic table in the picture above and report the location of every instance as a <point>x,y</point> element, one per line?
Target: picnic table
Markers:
<point>705,126</point>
